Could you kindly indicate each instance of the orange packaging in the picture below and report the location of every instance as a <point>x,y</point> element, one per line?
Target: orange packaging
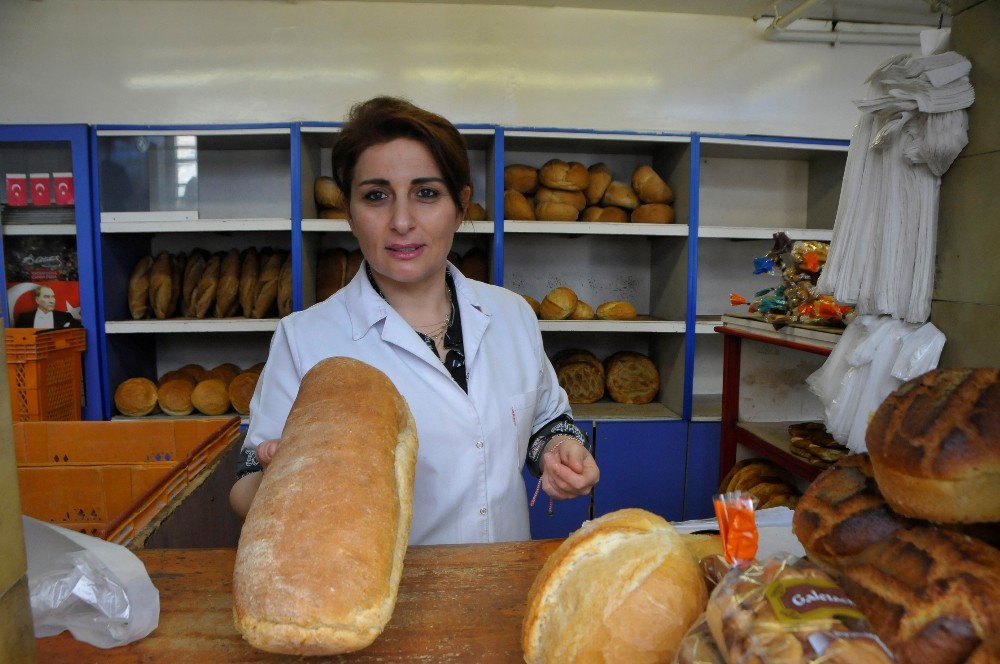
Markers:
<point>737,526</point>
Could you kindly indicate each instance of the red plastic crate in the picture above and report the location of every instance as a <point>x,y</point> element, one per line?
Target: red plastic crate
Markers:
<point>45,372</point>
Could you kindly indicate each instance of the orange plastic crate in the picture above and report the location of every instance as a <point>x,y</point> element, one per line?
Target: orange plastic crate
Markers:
<point>111,479</point>
<point>45,372</point>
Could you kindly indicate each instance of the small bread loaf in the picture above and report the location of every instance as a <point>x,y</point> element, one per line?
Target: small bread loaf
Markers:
<point>354,260</point>
<point>558,304</point>
<point>650,187</point>
<point>285,287</point>
<point>138,288</point>
<point>193,270</point>
<point>600,178</point>
<point>225,372</point>
<point>607,214</point>
<point>204,293</point>
<point>328,194</point>
<point>249,272</point>
<point>174,397</point>
<point>933,595</point>
<point>176,374</point>
<point>136,397</point>
<point>533,303</point>
<point>842,513</point>
<point>632,377</point>
<point>552,211</point>
<point>582,311</point>
<point>521,178</point>
<point>197,372</point>
<point>227,294</point>
<point>348,441</point>
<point>653,213</point>
<point>241,391</point>
<point>475,265</point>
<point>582,382</point>
<point>620,194</point>
<point>568,176</point>
<point>161,286</point>
<point>574,198</point>
<point>211,397</point>
<point>616,310</point>
<point>331,273</point>
<point>577,355</point>
<point>933,446</point>
<point>475,212</point>
<point>622,588</point>
<point>267,285</point>
<point>516,207</point>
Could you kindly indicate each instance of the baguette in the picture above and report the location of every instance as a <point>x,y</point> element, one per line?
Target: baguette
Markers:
<point>308,584</point>
<point>285,287</point>
<point>193,270</point>
<point>160,286</point>
<point>267,285</point>
<point>203,296</point>
<point>138,288</point>
<point>330,273</point>
<point>227,294</point>
<point>177,264</point>
<point>249,271</point>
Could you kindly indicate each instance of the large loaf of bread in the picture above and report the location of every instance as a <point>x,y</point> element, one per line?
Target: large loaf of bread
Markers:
<point>321,552</point>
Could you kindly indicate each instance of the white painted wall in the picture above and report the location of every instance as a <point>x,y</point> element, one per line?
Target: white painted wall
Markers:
<point>186,61</point>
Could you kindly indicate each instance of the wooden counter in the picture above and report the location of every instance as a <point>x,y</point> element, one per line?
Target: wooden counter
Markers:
<point>461,603</point>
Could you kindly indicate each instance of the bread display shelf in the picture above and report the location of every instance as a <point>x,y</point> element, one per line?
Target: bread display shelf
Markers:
<point>799,338</point>
<point>244,419</point>
<point>195,225</point>
<point>644,324</point>
<point>341,226</point>
<point>706,407</point>
<point>39,229</point>
<point>191,325</point>
<point>610,410</point>
<point>745,233</point>
<point>772,441</point>
<point>595,228</point>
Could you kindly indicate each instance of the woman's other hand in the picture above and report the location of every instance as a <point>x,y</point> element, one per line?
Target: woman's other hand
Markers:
<point>266,451</point>
<point>568,469</point>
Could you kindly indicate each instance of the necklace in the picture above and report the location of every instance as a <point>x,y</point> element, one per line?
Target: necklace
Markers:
<point>441,328</point>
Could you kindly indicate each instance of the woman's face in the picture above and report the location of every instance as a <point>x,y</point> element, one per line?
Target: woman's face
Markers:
<point>401,212</point>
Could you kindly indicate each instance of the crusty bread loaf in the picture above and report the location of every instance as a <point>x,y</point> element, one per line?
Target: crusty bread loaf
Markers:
<point>582,311</point>
<point>249,272</point>
<point>175,375</point>
<point>650,187</point>
<point>136,397</point>
<point>600,178</point>
<point>842,513</point>
<point>197,372</point>
<point>331,270</point>
<point>932,595</point>
<point>228,292</point>
<point>553,211</point>
<point>608,213</point>
<point>631,377</point>
<point>474,212</point>
<point>574,198</point>
<point>516,207</point>
<point>475,265</point>
<point>577,355</point>
<point>177,264</point>
<point>653,213</point>
<point>308,584</point>
<point>174,396</point>
<point>616,310</point>
<point>521,178</point>
<point>203,296</point>
<point>620,194</point>
<point>327,193</point>
<point>267,285</point>
<point>211,397</point>
<point>241,391</point>
<point>622,588</point>
<point>559,174</point>
<point>284,298</point>
<point>193,270</point>
<point>138,288</point>
<point>582,382</point>
<point>161,286</point>
<point>558,304</point>
<point>933,446</point>
<point>533,303</point>
<point>225,372</point>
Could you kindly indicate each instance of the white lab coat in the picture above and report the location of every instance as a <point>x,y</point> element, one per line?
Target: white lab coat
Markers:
<point>468,485</point>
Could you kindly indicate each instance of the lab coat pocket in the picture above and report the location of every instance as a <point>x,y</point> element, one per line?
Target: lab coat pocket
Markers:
<point>522,416</point>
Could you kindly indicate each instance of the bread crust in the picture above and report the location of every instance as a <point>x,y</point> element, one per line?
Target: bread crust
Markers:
<point>516,207</point>
<point>631,377</point>
<point>138,288</point>
<point>327,193</point>
<point>228,292</point>
<point>558,304</point>
<point>521,178</point>
<point>308,584</point>
<point>609,213</point>
<point>330,272</point>
<point>616,310</point>
<point>653,213</point>
<point>600,178</point>
<point>568,176</point>
<point>136,397</point>
<point>650,187</point>
<point>555,211</point>
<point>193,270</point>
<point>620,194</point>
<point>174,396</point>
<point>241,390</point>
<point>161,286</point>
<point>211,397</point>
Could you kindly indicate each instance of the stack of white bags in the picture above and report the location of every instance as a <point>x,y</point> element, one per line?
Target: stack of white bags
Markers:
<point>913,126</point>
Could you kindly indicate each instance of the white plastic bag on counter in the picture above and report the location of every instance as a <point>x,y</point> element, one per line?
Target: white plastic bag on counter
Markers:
<point>97,590</point>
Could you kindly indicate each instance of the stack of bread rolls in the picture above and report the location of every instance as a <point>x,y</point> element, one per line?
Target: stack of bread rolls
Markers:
<point>220,285</point>
<point>770,484</point>
<point>569,191</point>
<point>812,442</point>
<point>911,528</point>
<point>625,376</point>
<point>562,303</point>
<point>190,388</point>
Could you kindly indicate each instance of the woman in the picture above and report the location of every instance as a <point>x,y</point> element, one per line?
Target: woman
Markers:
<point>466,356</point>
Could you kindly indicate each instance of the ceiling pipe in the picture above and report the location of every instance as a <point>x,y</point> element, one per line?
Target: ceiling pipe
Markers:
<point>783,21</point>
<point>842,37</point>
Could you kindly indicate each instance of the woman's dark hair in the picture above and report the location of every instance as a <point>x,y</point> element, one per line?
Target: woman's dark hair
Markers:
<point>383,119</point>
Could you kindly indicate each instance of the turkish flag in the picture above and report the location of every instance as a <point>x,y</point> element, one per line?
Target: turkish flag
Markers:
<point>17,189</point>
<point>62,184</point>
<point>40,193</point>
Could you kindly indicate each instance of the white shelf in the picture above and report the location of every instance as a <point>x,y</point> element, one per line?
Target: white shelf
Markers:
<point>610,410</point>
<point>197,226</point>
<point>641,326</point>
<point>745,233</point>
<point>40,229</point>
<point>707,325</point>
<point>172,325</point>
<point>341,226</point>
<point>594,228</point>
<point>706,407</point>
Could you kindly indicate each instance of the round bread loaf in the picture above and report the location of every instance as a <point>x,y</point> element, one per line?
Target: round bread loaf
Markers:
<point>196,371</point>
<point>225,372</point>
<point>933,446</point>
<point>552,211</point>
<point>622,588</point>
<point>650,187</point>
<point>653,213</point>
<point>475,212</point>
<point>574,198</point>
<point>609,213</point>
<point>521,178</point>
<point>582,311</point>
<point>581,381</point>
<point>174,397</point>
<point>616,310</point>
<point>620,195</point>
<point>932,595</point>
<point>211,397</point>
<point>174,375</point>
<point>631,377</point>
<point>577,355</point>
<point>328,194</point>
<point>559,174</point>
<point>600,178</point>
<point>842,513</point>
<point>136,397</point>
<point>558,304</point>
<point>516,207</point>
<point>532,302</point>
<point>257,367</point>
<point>241,391</point>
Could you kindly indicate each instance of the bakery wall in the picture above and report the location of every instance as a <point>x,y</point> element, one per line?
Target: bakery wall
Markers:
<point>966,305</point>
<point>241,61</point>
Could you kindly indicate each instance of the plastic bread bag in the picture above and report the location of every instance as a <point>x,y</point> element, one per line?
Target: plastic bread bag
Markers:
<point>785,610</point>
<point>97,590</point>
<point>698,646</point>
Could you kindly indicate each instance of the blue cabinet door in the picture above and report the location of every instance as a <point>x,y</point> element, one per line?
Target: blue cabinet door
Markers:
<point>702,479</point>
<point>642,465</point>
<point>567,515</point>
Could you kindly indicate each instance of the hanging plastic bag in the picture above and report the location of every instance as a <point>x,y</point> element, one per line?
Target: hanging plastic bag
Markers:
<point>97,590</point>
